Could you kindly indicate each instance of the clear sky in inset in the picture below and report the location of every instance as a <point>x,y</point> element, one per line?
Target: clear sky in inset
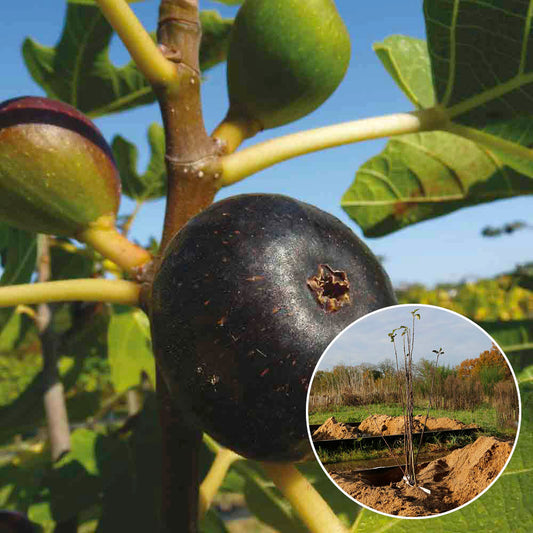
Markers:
<point>367,341</point>
<point>449,248</point>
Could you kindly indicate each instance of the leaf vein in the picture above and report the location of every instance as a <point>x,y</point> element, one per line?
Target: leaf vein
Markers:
<point>383,179</point>
<point>79,59</point>
<point>453,44</point>
<point>118,103</point>
<point>423,149</point>
<point>525,41</point>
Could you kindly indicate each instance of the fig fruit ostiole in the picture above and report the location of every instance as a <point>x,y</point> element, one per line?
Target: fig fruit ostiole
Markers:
<point>285,58</point>
<point>248,295</point>
<point>58,176</point>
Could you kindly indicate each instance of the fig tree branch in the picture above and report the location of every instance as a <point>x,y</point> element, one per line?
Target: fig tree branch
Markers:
<point>243,163</point>
<point>191,158</point>
<point>53,393</point>
<point>180,464</point>
<point>191,155</point>
<point>72,290</point>
<point>159,71</point>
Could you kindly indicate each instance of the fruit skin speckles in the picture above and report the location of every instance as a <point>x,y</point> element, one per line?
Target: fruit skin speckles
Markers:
<point>274,329</point>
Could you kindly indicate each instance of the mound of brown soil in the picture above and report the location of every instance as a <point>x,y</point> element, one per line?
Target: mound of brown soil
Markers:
<point>331,429</point>
<point>442,424</point>
<point>394,425</point>
<point>453,480</point>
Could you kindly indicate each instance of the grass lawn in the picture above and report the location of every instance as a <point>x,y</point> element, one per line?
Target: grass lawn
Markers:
<point>484,416</point>
<point>362,454</point>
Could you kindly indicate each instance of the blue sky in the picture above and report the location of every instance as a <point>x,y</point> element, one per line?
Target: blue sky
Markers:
<point>447,249</point>
<point>367,341</point>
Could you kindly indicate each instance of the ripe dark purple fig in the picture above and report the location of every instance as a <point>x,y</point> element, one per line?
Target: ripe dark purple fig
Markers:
<point>249,294</point>
<point>57,173</point>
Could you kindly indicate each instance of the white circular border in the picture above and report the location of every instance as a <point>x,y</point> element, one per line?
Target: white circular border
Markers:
<point>432,515</point>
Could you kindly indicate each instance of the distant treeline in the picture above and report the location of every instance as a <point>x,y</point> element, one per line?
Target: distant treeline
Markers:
<point>483,379</point>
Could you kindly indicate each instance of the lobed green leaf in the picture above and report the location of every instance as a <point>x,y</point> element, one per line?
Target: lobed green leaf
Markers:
<point>14,331</point>
<point>477,66</point>
<point>215,38</point>
<point>426,175</point>
<point>481,58</point>
<point>78,70</point>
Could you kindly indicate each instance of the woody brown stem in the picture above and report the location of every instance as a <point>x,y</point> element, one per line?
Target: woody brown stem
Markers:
<point>180,456</point>
<point>192,172</point>
<point>191,155</point>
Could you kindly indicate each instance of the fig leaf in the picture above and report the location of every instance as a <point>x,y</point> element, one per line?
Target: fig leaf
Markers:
<point>18,251</point>
<point>426,175</point>
<point>78,70</point>
<point>423,176</point>
<point>151,184</point>
<point>407,61</point>
<point>481,59</point>
<point>478,56</point>
<point>129,348</point>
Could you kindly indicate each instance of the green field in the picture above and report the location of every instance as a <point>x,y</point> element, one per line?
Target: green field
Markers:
<point>366,454</point>
<point>484,416</point>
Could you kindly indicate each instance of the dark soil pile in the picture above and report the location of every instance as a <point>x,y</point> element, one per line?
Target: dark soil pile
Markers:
<point>453,480</point>
<point>394,425</point>
<point>331,429</point>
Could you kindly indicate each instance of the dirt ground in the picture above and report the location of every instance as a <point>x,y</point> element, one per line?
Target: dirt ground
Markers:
<point>453,480</point>
<point>331,429</point>
<point>394,425</point>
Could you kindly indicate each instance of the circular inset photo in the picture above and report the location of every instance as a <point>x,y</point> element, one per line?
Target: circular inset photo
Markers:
<point>413,411</point>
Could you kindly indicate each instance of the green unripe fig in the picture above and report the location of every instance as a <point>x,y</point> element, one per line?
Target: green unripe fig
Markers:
<point>57,173</point>
<point>286,57</point>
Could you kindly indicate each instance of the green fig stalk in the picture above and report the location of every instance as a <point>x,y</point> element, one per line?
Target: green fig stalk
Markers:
<point>72,290</point>
<point>224,458</point>
<point>159,71</point>
<point>316,514</point>
<point>239,165</point>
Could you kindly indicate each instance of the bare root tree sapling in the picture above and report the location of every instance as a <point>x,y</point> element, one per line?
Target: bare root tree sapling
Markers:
<point>437,353</point>
<point>405,384</point>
